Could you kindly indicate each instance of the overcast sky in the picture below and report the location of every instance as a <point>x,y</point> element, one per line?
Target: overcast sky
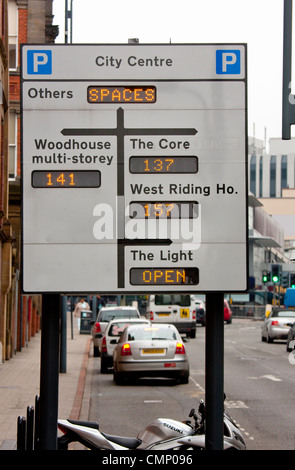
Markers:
<point>259,23</point>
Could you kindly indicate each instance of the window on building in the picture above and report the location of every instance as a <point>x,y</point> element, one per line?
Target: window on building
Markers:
<point>273,174</point>
<point>12,132</point>
<point>267,258</point>
<point>284,168</point>
<point>251,218</point>
<point>261,176</point>
<point>253,175</point>
<point>12,34</point>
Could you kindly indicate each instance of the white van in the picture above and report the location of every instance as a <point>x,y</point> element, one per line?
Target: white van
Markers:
<point>177,309</point>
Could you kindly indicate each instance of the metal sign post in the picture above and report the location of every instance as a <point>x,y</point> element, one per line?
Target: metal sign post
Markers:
<point>288,99</point>
<point>49,372</point>
<point>214,390</point>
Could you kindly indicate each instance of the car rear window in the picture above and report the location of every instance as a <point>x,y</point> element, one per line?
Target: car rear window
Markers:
<point>165,299</point>
<point>284,313</point>
<point>117,328</point>
<point>149,333</point>
<point>110,314</point>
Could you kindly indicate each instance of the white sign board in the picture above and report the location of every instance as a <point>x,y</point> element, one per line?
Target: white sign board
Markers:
<point>134,168</point>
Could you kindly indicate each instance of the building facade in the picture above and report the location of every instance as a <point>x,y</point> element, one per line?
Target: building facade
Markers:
<point>272,184</point>
<point>5,225</point>
<point>28,21</point>
<point>273,171</point>
<point>272,181</point>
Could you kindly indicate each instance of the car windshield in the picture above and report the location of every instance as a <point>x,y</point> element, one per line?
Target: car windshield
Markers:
<point>149,333</point>
<point>117,328</point>
<point>284,313</point>
<point>165,299</point>
<point>115,313</point>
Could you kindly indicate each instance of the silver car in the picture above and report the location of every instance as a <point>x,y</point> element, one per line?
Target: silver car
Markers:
<point>111,337</point>
<point>150,351</point>
<point>277,324</point>
<point>103,317</point>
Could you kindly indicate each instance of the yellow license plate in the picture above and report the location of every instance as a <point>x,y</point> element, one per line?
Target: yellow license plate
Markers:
<point>163,314</point>
<point>153,351</point>
<point>184,312</point>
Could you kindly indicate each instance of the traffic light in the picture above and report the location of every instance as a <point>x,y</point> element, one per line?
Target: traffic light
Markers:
<point>265,276</point>
<point>285,279</point>
<point>292,280</point>
<point>276,273</point>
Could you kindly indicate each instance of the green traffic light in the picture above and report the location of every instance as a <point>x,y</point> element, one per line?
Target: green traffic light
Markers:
<point>275,278</point>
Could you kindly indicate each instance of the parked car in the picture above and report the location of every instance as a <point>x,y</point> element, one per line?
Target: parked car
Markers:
<point>155,350</point>
<point>111,337</point>
<point>200,311</point>
<point>227,312</point>
<point>291,337</point>
<point>103,317</point>
<point>277,324</point>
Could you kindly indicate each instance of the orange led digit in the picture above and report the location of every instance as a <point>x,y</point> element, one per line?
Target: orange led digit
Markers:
<point>121,94</point>
<point>49,182</point>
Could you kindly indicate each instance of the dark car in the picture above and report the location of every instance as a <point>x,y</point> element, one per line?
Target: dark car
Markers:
<point>200,311</point>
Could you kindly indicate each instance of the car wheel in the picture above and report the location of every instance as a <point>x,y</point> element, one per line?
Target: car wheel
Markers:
<point>269,339</point>
<point>193,333</point>
<point>95,351</point>
<point>288,348</point>
<point>118,378</point>
<point>103,366</point>
<point>183,379</point>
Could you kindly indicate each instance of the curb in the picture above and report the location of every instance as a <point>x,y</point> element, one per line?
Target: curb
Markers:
<point>78,400</point>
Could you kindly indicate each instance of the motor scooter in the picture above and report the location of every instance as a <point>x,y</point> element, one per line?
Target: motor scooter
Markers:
<point>161,434</point>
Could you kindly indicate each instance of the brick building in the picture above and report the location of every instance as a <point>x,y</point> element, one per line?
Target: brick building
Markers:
<point>29,21</point>
<point>5,226</point>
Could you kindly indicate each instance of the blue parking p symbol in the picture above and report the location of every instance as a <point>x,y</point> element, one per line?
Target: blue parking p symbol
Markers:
<point>39,62</point>
<point>228,62</point>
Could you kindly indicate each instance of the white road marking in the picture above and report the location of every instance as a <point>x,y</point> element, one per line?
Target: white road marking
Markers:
<point>269,377</point>
<point>153,401</point>
<point>235,404</point>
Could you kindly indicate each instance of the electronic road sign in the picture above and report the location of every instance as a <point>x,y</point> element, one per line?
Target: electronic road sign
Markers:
<point>134,168</point>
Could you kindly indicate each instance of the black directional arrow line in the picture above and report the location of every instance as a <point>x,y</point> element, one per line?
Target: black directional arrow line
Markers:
<point>144,241</point>
<point>120,132</point>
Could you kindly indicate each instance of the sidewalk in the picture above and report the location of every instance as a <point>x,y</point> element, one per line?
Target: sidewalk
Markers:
<point>20,383</point>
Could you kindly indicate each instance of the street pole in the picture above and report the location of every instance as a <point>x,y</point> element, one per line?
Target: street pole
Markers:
<point>49,371</point>
<point>63,334</point>
<point>288,113</point>
<point>214,392</point>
